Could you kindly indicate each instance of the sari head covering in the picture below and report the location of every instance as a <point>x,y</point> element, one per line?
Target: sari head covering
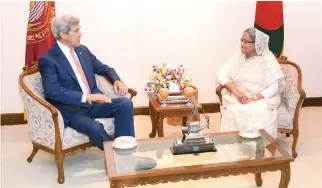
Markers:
<point>272,69</point>
<point>261,42</point>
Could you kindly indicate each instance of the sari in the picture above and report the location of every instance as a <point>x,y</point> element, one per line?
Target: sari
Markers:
<point>251,76</point>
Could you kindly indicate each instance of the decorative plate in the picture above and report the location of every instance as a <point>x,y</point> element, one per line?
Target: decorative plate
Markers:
<point>124,142</point>
<point>250,133</point>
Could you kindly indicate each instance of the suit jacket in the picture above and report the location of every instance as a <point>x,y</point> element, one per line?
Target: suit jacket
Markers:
<point>60,83</point>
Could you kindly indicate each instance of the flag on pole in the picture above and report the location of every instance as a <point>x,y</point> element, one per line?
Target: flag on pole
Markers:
<point>269,19</point>
<point>39,36</point>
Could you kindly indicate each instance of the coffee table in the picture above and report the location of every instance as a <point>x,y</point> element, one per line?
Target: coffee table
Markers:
<point>235,155</point>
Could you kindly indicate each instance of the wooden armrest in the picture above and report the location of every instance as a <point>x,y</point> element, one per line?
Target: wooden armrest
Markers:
<point>133,92</point>
<point>218,92</point>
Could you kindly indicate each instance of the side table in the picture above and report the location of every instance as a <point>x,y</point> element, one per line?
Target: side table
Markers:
<point>175,121</point>
<point>158,113</point>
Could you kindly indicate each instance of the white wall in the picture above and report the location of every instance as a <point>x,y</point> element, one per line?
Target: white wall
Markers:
<point>303,42</point>
<point>131,36</point>
<point>14,25</point>
<point>0,60</point>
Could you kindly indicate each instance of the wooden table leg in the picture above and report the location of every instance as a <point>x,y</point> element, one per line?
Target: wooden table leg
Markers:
<point>159,121</point>
<point>285,177</point>
<point>184,123</point>
<point>258,179</point>
<point>153,121</point>
<point>114,184</point>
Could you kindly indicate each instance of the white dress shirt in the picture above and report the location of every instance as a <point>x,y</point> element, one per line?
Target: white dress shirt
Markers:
<point>66,50</point>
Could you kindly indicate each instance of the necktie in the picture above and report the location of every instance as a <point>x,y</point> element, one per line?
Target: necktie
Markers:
<point>79,69</point>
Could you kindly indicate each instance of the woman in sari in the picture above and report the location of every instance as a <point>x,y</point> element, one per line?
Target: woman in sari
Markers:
<point>250,78</point>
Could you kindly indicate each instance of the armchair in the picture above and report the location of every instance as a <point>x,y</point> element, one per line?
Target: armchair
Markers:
<point>45,122</point>
<point>292,97</point>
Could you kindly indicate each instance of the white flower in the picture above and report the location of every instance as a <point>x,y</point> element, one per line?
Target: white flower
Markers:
<point>162,81</point>
<point>162,76</point>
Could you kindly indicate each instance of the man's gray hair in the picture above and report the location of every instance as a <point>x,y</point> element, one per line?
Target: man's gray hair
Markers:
<point>62,24</point>
<point>252,33</point>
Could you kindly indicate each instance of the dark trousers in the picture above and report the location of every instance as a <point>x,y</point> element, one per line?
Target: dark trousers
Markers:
<point>120,108</point>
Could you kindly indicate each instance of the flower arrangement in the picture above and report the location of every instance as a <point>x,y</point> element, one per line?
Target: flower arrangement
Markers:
<point>163,75</point>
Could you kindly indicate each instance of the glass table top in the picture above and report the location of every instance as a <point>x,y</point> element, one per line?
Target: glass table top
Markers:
<point>230,148</point>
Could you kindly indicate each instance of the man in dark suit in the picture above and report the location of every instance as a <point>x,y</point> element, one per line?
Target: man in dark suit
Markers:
<point>67,71</point>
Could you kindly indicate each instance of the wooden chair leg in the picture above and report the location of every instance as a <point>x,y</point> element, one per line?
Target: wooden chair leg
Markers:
<point>258,179</point>
<point>33,153</point>
<point>295,138</point>
<point>60,166</point>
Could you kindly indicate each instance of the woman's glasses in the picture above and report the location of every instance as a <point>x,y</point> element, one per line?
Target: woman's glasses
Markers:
<point>246,41</point>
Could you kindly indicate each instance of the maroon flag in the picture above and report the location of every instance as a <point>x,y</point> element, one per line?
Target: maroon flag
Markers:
<point>39,35</point>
